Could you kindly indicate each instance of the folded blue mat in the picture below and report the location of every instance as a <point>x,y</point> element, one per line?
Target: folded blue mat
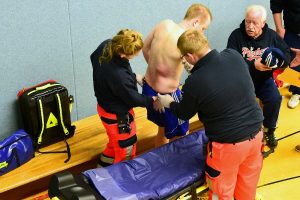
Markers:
<point>156,174</point>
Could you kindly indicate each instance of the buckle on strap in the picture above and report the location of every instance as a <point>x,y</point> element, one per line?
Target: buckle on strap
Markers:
<point>124,123</point>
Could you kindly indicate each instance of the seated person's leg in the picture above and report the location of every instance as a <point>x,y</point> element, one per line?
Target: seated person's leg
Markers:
<point>160,138</point>
<point>269,95</point>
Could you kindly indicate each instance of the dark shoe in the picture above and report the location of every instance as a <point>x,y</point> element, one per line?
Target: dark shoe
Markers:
<point>297,148</point>
<point>104,161</point>
<point>270,138</point>
<point>267,153</point>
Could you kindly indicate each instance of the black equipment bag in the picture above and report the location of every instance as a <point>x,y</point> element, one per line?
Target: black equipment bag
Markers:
<point>46,114</point>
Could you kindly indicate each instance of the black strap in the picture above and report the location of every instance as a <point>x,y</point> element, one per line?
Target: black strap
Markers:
<point>68,151</point>
<point>114,121</point>
<point>61,121</point>
<point>108,121</point>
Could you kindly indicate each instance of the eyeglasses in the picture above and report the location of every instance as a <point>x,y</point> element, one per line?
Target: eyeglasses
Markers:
<point>182,56</point>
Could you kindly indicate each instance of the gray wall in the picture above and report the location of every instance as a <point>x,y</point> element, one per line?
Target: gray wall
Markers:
<point>52,39</point>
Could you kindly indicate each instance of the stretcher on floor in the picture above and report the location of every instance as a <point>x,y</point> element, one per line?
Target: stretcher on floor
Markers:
<point>172,171</point>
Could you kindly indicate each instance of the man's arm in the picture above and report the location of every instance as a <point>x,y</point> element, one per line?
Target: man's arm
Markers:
<point>185,109</point>
<point>140,79</point>
<point>278,23</point>
<point>277,7</point>
<point>261,67</point>
<point>296,61</point>
<point>147,45</point>
<point>126,89</point>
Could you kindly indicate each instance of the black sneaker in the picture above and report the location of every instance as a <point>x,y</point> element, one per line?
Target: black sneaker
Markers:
<point>270,138</point>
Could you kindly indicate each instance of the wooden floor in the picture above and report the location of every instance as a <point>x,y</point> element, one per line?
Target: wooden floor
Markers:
<point>284,163</point>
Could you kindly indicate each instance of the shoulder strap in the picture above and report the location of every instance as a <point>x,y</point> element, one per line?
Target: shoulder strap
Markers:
<point>41,120</point>
<point>61,119</point>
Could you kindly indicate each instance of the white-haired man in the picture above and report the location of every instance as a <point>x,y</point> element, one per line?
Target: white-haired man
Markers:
<point>251,39</point>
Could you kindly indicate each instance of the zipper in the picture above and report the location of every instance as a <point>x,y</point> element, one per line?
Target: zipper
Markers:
<point>49,85</point>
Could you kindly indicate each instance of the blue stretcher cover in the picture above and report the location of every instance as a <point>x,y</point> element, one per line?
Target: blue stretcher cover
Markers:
<point>156,174</point>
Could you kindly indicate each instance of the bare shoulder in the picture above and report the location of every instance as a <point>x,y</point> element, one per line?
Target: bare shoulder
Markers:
<point>166,23</point>
<point>169,27</point>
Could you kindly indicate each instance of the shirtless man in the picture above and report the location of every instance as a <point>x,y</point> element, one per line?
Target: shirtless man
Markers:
<point>165,67</point>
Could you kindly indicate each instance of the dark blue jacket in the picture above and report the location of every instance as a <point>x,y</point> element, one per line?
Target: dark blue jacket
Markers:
<point>115,84</point>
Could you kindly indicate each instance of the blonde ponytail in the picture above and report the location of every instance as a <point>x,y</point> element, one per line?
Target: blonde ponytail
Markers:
<point>127,42</point>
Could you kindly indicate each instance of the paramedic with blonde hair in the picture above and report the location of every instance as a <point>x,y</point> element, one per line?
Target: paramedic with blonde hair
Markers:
<point>115,87</point>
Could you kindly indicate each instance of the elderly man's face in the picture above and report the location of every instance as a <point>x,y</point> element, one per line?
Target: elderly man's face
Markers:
<point>254,24</point>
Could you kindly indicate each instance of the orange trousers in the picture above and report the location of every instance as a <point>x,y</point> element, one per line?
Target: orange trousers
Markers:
<point>114,153</point>
<point>233,170</point>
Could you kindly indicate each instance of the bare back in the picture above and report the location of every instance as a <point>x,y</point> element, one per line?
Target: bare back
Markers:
<point>164,63</point>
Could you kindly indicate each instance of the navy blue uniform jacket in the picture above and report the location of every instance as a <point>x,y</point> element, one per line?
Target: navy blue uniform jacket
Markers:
<point>115,84</point>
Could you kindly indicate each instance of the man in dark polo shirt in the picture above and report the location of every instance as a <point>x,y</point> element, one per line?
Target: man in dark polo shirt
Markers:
<point>221,91</point>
